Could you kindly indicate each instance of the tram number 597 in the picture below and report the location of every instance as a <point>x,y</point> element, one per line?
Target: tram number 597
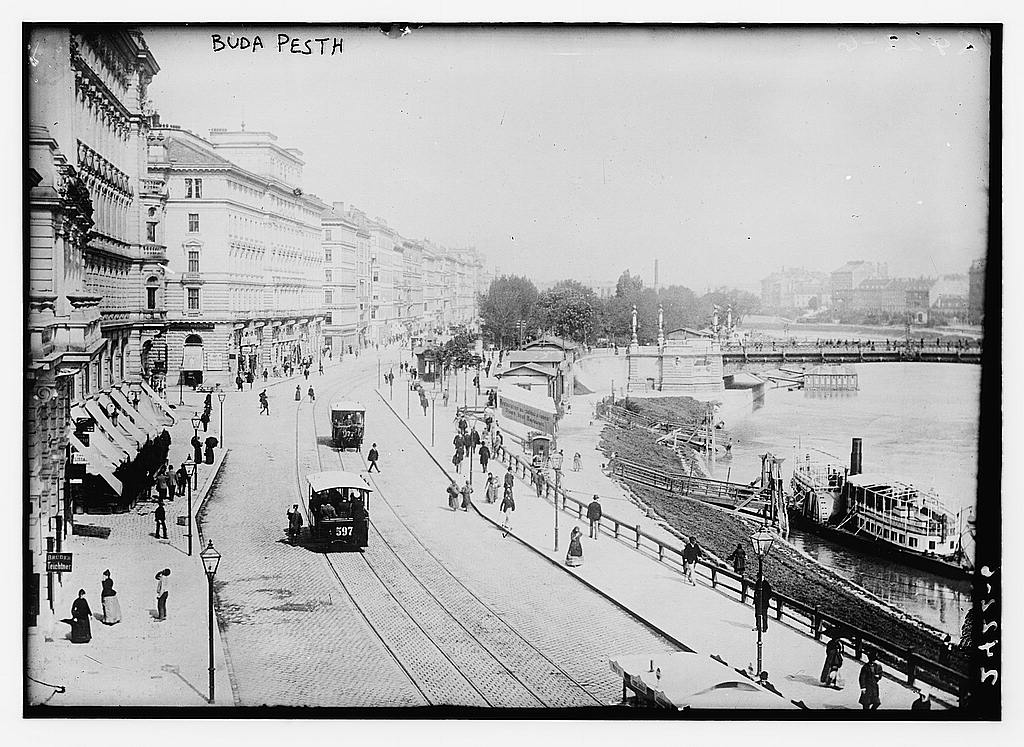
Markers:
<point>345,531</point>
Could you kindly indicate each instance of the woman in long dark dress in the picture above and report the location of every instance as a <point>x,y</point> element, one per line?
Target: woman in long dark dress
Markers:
<point>81,630</point>
<point>575,555</point>
<point>111,607</point>
<point>833,661</point>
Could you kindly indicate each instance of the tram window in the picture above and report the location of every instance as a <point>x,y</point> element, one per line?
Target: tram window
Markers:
<point>950,545</point>
<point>931,545</point>
<point>913,541</point>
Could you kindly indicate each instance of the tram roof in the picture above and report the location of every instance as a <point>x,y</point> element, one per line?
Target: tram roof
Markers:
<point>347,405</point>
<point>319,481</point>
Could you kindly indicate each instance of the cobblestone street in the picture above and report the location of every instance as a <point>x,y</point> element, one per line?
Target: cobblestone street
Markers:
<point>438,610</point>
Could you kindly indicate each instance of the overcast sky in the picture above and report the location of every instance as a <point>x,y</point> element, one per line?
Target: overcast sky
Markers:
<point>582,152</point>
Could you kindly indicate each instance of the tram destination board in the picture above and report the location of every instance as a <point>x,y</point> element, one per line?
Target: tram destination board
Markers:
<point>58,562</point>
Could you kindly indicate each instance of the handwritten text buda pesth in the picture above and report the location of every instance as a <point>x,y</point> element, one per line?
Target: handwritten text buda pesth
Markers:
<point>324,46</point>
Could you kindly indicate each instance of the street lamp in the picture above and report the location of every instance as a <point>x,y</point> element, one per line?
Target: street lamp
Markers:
<point>211,559</point>
<point>222,396</point>
<point>190,468</point>
<point>433,409</point>
<point>762,541</point>
<point>556,462</point>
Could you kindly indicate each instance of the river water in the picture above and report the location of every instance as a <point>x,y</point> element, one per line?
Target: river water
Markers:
<point>919,424</point>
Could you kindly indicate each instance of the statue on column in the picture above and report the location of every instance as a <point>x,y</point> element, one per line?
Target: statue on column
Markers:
<point>728,321</point>
<point>634,340</point>
<point>714,320</point>
<point>661,325</point>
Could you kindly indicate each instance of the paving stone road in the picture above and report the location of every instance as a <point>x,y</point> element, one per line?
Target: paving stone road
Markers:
<point>439,609</point>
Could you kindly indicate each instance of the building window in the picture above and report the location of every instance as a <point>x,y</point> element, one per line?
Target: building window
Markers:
<point>330,320</point>
<point>375,276</point>
<point>327,234</point>
<point>193,299</point>
<point>150,298</point>
<point>193,222</point>
<point>151,232</point>
<point>193,260</point>
<point>328,296</point>
<point>373,313</point>
<point>193,189</point>
<point>327,255</point>
<point>327,275</point>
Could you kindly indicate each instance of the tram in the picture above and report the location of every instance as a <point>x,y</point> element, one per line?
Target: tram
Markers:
<point>347,423</point>
<point>339,509</point>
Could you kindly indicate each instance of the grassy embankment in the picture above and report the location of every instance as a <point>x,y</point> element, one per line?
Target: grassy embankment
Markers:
<point>720,530</point>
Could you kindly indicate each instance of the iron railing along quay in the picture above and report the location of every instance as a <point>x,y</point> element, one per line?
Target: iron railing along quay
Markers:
<point>804,618</point>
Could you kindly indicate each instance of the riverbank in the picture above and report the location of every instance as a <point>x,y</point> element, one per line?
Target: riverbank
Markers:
<point>790,571</point>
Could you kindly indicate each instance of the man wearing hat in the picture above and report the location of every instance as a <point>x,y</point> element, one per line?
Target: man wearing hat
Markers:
<point>594,516</point>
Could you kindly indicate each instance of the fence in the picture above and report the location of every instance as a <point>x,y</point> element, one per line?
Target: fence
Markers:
<point>804,618</point>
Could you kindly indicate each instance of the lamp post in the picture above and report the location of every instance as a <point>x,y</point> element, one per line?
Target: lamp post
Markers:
<point>762,541</point>
<point>196,421</point>
<point>222,396</point>
<point>556,461</point>
<point>189,470</point>
<point>433,409</point>
<point>408,397</point>
<point>211,559</point>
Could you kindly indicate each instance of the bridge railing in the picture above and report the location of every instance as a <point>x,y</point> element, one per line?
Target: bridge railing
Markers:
<point>806,619</point>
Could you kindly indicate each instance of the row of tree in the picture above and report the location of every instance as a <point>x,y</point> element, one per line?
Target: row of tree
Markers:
<point>513,310</point>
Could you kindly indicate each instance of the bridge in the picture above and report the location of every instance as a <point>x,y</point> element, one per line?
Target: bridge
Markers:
<point>782,354</point>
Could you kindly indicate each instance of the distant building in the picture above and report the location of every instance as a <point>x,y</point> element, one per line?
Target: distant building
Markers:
<point>795,288</point>
<point>341,305</point>
<point>976,292</point>
<point>844,280</point>
<point>949,296</point>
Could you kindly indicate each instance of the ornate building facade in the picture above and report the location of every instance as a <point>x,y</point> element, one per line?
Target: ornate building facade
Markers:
<point>89,264</point>
<point>245,290</point>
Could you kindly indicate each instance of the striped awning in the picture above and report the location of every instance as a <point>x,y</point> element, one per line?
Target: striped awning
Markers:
<point>96,463</point>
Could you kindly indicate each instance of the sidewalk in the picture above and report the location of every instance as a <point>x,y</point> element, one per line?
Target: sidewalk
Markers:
<point>702,618</point>
<point>139,661</point>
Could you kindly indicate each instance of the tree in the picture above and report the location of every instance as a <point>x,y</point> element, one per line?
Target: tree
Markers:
<point>509,299</point>
<point>742,303</point>
<point>569,309</point>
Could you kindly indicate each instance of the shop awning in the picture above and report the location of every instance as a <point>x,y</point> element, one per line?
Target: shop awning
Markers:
<point>126,417</point>
<point>112,432</point>
<point>159,401</point>
<point>96,463</point>
<point>140,422</point>
<point>113,453</point>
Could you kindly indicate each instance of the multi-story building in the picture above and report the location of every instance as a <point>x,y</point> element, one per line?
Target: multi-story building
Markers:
<point>341,281</point>
<point>795,288</point>
<point>412,311</point>
<point>845,279</point>
<point>244,248</point>
<point>976,292</point>
<point>433,282</point>
<point>94,279</point>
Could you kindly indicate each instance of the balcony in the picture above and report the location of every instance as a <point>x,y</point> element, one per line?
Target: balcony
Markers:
<point>154,252</point>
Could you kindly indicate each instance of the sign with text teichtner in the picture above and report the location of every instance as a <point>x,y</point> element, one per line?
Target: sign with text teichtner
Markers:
<point>58,562</point>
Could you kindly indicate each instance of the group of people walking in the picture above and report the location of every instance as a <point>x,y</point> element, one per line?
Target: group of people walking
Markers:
<point>82,615</point>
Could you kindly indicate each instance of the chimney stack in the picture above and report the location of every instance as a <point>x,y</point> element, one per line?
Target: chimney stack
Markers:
<point>856,457</point>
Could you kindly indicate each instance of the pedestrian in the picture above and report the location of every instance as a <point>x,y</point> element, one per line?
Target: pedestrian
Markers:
<point>294,523</point>
<point>321,371</point>
<point>265,374</point>
<point>491,489</point>
<point>738,559</point>
<point>691,553</point>
<point>538,482</point>
<point>485,456</point>
<point>594,517</point>
<point>466,491</point>
<point>162,589</point>
<point>81,628</point>
<point>574,557</point>
<point>444,398</point>
<point>577,462</point>
<point>923,702</point>
<point>264,403</point>
<point>509,480</point>
<point>459,441</point>
<point>833,662</point>
<point>474,439</point>
<point>211,443</point>
<point>161,487</point>
<point>457,459</point>
<point>311,394</point>
<point>298,393</point>
<point>108,597</point>
<point>238,382</point>
<point>160,515</point>
<point>762,598</point>
<point>372,458</point>
<point>249,378</point>
<point>453,496</point>
<point>205,420</point>
<point>305,372</point>
<point>197,449</point>
<point>870,674</point>
<point>508,505</point>
<point>171,482</point>
<point>208,402</point>
<point>182,477</point>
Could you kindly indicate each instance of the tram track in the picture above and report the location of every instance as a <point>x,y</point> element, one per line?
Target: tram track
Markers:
<point>452,646</point>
